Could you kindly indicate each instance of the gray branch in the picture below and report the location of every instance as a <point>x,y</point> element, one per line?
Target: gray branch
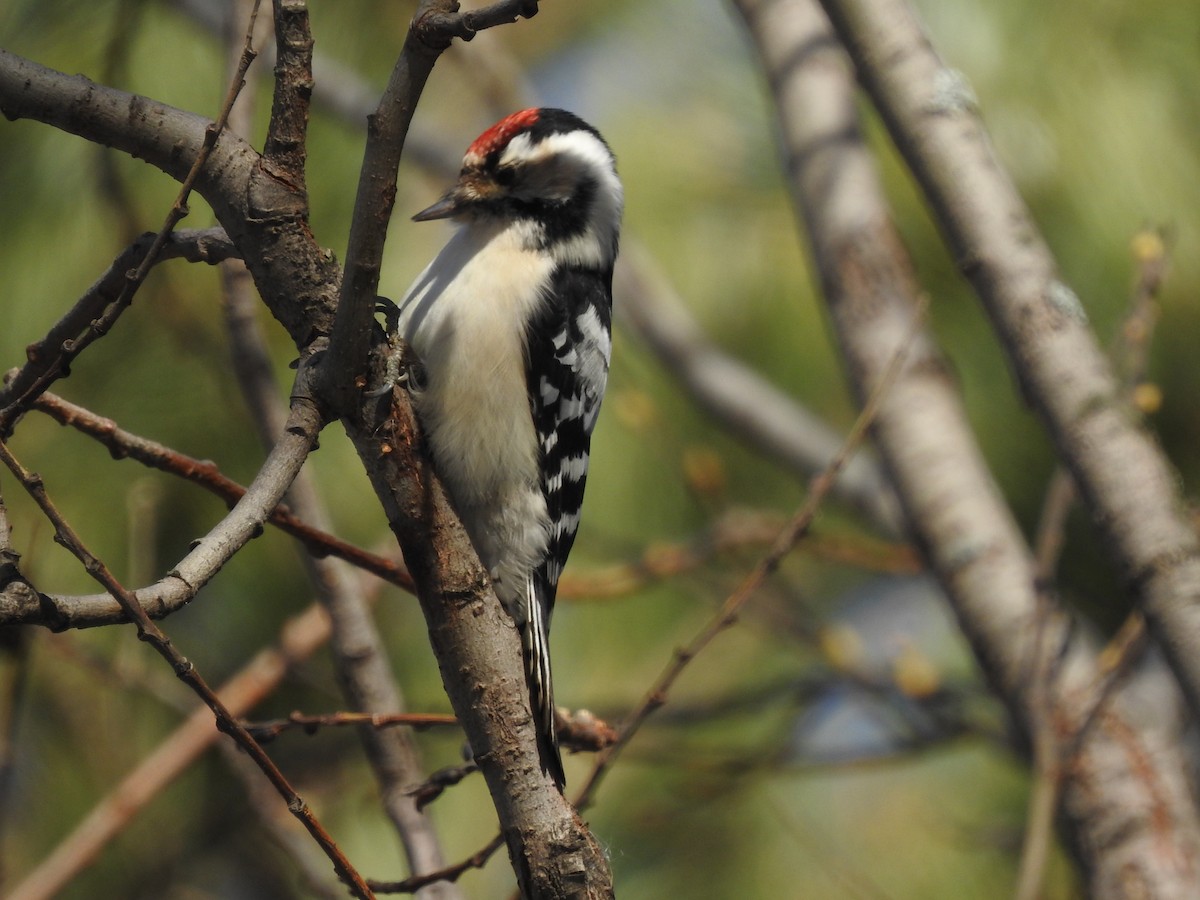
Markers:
<point>738,398</point>
<point>1127,807</point>
<point>551,849</point>
<point>1123,477</point>
<point>19,604</point>
<point>359,655</point>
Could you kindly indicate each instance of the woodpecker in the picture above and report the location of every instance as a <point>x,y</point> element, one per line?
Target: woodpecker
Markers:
<point>511,325</point>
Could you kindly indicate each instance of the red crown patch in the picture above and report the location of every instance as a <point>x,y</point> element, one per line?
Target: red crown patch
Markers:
<point>502,132</point>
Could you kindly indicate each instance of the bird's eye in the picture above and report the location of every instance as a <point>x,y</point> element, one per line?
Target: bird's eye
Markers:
<point>505,175</point>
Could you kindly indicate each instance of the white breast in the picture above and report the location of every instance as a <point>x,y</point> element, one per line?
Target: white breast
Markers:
<point>464,318</point>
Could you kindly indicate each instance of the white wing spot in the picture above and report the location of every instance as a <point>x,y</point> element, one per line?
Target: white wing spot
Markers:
<point>572,408</point>
<point>568,524</point>
<point>593,331</point>
<point>573,468</point>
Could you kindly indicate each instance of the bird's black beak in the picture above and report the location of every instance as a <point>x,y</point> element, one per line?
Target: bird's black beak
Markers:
<point>473,188</point>
<point>450,205</point>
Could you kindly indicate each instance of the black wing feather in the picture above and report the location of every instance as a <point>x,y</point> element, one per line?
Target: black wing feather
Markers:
<point>566,378</point>
<point>569,345</point>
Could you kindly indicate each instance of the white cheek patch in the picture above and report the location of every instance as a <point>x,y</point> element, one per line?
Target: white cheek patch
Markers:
<point>554,168</point>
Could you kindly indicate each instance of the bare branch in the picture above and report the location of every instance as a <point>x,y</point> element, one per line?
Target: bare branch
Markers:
<point>785,542</point>
<point>285,146</point>
<point>268,731</point>
<point>184,669</point>
<point>750,408</point>
<point>387,128</point>
<point>956,511</point>
<point>449,874</point>
<point>478,653</point>
<point>50,357</point>
<point>437,26</point>
<point>1123,477</point>
<point>299,638</point>
<point>435,23</point>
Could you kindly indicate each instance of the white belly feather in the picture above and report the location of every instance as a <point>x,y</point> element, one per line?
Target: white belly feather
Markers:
<point>463,324</point>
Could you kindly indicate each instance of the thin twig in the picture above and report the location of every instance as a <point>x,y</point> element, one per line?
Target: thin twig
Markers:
<point>298,639</point>
<point>581,730</point>
<point>208,245</point>
<point>69,349</point>
<point>122,444</point>
<point>147,631</point>
<point>795,530</point>
<point>311,724</point>
<point>1053,752</point>
<point>450,873</point>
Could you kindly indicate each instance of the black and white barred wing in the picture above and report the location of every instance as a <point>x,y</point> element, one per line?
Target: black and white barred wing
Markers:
<point>566,387</point>
<point>569,350</point>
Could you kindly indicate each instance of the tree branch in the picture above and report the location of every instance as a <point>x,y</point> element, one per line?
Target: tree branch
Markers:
<point>207,556</point>
<point>1122,475</point>
<point>298,639</point>
<point>955,510</point>
<point>750,408</point>
<point>434,25</point>
<point>287,131</point>
<point>186,672</point>
<point>50,357</point>
<point>478,653</point>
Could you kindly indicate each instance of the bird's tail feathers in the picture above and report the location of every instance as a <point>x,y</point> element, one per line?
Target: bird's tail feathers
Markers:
<point>535,643</point>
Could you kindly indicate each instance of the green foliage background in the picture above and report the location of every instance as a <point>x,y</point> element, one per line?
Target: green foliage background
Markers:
<point>1093,106</point>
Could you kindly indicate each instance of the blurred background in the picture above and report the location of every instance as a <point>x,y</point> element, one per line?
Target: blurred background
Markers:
<point>837,742</point>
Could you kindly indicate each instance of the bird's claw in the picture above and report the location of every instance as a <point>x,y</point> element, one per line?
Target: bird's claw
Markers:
<point>402,368</point>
